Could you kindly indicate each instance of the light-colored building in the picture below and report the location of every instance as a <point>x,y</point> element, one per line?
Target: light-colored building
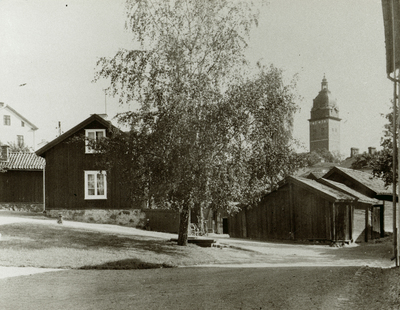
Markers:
<point>15,128</point>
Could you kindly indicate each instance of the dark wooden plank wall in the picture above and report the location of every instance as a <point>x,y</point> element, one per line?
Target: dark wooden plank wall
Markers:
<point>298,214</point>
<point>21,186</point>
<point>65,166</point>
<point>271,219</point>
<point>311,215</point>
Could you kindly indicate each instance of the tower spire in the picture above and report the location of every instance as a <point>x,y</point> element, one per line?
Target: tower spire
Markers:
<point>324,83</point>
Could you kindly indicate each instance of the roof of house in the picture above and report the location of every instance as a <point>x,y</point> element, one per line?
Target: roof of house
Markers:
<point>363,178</point>
<point>329,192</point>
<point>64,136</point>
<point>342,187</point>
<point>6,106</point>
<point>23,161</point>
<point>347,163</point>
<point>315,175</point>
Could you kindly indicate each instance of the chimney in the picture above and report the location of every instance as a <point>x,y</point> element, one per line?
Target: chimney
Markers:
<point>371,150</point>
<point>353,151</point>
<point>4,153</point>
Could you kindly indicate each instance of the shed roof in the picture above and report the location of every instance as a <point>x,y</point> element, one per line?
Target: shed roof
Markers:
<point>64,136</point>
<point>362,178</point>
<point>342,187</point>
<point>320,167</point>
<point>315,175</point>
<point>23,161</point>
<point>324,190</point>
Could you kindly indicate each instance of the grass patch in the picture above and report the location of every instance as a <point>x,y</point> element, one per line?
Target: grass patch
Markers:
<point>58,246</point>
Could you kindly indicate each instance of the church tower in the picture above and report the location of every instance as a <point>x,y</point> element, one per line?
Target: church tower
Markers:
<point>324,121</point>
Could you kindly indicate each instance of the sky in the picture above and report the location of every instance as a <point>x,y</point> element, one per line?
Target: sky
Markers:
<point>52,47</point>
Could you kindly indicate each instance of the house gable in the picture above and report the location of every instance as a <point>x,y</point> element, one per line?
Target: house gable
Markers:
<point>21,118</point>
<point>93,122</point>
<point>15,128</point>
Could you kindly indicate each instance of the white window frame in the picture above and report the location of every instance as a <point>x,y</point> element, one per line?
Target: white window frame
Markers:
<point>7,120</point>
<point>96,195</point>
<point>20,140</point>
<point>88,149</point>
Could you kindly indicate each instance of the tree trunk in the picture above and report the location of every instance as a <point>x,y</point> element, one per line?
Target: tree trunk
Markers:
<point>201,224</point>
<point>184,225</point>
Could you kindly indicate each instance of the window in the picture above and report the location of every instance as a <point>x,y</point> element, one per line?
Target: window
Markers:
<point>22,124</point>
<point>95,185</point>
<point>93,135</point>
<point>20,140</point>
<point>7,120</point>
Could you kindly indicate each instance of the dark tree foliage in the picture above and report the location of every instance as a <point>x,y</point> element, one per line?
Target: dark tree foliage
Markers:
<point>319,155</point>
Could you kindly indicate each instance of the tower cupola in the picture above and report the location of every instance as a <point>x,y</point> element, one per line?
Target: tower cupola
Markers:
<point>324,104</point>
<point>324,121</point>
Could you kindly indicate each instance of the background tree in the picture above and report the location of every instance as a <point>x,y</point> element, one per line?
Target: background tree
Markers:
<point>19,148</point>
<point>381,162</point>
<point>204,135</point>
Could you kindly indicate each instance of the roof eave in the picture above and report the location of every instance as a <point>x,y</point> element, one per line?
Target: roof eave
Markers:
<point>23,118</point>
<point>70,132</point>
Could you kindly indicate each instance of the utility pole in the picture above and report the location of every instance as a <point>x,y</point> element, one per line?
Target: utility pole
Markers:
<point>391,20</point>
<point>395,148</point>
<point>105,100</point>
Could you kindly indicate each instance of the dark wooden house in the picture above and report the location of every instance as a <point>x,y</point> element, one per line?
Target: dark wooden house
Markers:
<point>300,209</point>
<point>21,178</point>
<point>73,179</point>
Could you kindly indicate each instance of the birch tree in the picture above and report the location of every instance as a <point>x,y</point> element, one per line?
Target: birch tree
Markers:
<point>204,134</point>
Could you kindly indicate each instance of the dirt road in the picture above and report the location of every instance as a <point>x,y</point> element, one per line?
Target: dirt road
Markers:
<point>296,276</point>
<point>187,288</point>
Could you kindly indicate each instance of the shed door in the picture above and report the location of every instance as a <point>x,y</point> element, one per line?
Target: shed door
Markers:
<point>225,227</point>
<point>343,222</point>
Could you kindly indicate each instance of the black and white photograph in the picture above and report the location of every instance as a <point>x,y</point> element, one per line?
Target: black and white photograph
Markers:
<point>199,154</point>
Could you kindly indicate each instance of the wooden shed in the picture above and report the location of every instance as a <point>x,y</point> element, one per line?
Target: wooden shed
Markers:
<point>300,209</point>
<point>367,185</point>
<point>21,179</point>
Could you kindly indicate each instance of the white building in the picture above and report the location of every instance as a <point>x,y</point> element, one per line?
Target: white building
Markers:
<point>14,128</point>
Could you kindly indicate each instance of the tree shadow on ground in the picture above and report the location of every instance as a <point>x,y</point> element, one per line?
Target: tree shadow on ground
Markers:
<point>126,264</point>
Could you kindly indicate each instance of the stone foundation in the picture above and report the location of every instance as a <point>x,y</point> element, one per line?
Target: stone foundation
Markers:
<point>131,218</point>
<point>22,206</point>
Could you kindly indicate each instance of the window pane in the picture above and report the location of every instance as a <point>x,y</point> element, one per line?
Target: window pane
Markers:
<point>7,120</point>
<point>91,135</point>
<point>100,184</point>
<point>99,135</point>
<point>20,140</point>
<point>91,185</point>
